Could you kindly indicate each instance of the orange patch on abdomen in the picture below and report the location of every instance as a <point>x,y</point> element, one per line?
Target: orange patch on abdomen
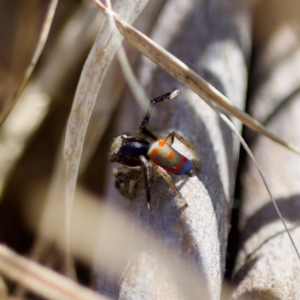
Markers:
<point>161,143</point>
<point>171,155</point>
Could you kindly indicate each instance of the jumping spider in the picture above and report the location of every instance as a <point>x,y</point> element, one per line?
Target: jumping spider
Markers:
<point>138,153</point>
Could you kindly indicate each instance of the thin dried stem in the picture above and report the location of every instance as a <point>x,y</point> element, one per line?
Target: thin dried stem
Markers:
<point>136,89</point>
<point>249,152</point>
<point>37,53</point>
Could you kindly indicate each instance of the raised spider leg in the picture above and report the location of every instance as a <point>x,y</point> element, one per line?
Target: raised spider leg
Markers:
<point>170,139</point>
<point>170,182</point>
<point>145,168</point>
<point>146,119</point>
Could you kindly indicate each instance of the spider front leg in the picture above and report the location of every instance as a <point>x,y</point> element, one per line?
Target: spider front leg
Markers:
<point>145,168</point>
<point>146,119</point>
<point>169,180</point>
<point>170,139</point>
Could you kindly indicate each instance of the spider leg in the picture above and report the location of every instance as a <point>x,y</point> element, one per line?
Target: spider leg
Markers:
<point>145,168</point>
<point>169,180</point>
<point>170,139</point>
<point>146,119</point>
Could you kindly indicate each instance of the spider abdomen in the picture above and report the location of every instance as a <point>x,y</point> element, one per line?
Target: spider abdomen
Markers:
<point>168,158</point>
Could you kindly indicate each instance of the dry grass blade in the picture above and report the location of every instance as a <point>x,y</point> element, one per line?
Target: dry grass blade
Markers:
<point>39,49</point>
<point>40,280</point>
<point>92,76</point>
<point>184,74</point>
<point>187,76</point>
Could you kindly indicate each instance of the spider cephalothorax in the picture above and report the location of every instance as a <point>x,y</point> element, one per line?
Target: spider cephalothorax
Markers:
<point>134,152</point>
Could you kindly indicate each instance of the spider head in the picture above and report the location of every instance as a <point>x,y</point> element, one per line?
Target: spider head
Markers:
<point>126,149</point>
